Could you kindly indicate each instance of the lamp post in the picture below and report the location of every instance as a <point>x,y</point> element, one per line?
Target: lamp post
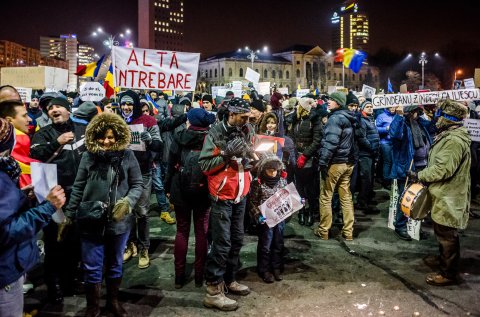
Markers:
<point>457,72</point>
<point>422,61</point>
<point>113,40</point>
<point>253,55</point>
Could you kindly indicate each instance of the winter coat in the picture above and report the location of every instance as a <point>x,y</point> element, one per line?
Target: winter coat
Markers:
<point>383,125</point>
<point>307,133</point>
<point>18,231</point>
<point>289,145</point>
<point>367,124</point>
<point>448,177</point>
<point>226,180</point>
<point>260,191</point>
<point>184,140</point>
<point>45,144</point>
<point>402,145</point>
<point>96,174</point>
<point>338,142</point>
<point>145,158</point>
<point>167,126</point>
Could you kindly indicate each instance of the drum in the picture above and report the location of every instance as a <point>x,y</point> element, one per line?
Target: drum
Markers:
<point>416,202</point>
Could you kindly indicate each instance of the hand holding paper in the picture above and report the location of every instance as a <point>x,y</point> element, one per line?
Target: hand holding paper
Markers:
<point>57,197</point>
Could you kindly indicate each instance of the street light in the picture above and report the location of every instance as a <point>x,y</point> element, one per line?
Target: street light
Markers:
<point>422,61</point>
<point>111,40</point>
<point>253,54</point>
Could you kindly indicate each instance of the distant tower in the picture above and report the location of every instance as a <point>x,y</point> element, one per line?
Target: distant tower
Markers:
<point>350,27</point>
<point>161,24</point>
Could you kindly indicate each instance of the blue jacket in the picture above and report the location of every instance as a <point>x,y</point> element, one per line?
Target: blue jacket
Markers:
<point>18,230</point>
<point>383,122</point>
<point>402,145</point>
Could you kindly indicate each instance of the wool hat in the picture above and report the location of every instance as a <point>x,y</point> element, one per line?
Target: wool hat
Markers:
<point>185,101</point>
<point>207,98</point>
<point>339,97</point>
<point>307,103</point>
<point>86,111</point>
<point>364,104</point>
<point>60,101</point>
<point>47,97</point>
<point>351,98</point>
<point>258,104</point>
<point>229,94</point>
<point>292,102</point>
<point>7,135</point>
<point>199,117</point>
<point>275,100</point>
<point>126,99</point>
<point>238,105</point>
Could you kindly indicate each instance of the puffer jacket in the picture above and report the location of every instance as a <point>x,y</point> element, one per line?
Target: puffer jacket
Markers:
<point>307,133</point>
<point>226,180</point>
<point>96,173</point>
<point>338,142</point>
<point>367,123</point>
<point>448,177</point>
<point>18,231</point>
<point>383,125</point>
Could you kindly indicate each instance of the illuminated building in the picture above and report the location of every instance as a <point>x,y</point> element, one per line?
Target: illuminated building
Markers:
<point>350,28</point>
<point>161,24</point>
<point>85,54</point>
<point>15,55</point>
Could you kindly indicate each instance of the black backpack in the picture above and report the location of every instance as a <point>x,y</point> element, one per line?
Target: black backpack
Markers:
<point>192,179</point>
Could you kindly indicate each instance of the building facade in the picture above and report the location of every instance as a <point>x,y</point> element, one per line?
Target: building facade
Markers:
<point>15,55</point>
<point>161,24</point>
<point>350,27</point>
<point>298,65</point>
<point>86,54</point>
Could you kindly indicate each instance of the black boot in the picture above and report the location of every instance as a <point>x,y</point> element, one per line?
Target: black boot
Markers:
<point>113,305</point>
<point>301,216</point>
<point>92,292</point>
<point>54,292</point>
<point>309,218</point>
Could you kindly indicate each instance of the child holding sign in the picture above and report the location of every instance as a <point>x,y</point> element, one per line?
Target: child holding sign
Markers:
<point>270,179</point>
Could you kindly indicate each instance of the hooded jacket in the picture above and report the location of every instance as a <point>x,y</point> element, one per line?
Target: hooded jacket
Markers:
<point>338,141</point>
<point>307,133</point>
<point>383,122</point>
<point>167,126</point>
<point>96,172</point>
<point>367,124</point>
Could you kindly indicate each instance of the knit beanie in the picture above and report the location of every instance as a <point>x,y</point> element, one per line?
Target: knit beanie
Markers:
<point>60,101</point>
<point>7,135</point>
<point>339,97</point>
<point>207,98</point>
<point>258,104</point>
<point>86,111</point>
<point>238,105</point>
<point>201,118</point>
<point>364,104</point>
<point>352,99</point>
<point>275,100</point>
<point>126,99</point>
<point>307,103</point>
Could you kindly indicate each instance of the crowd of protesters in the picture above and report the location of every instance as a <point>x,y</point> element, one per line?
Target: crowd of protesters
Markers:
<point>199,160</point>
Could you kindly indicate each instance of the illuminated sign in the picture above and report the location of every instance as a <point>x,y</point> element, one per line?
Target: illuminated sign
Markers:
<point>352,6</point>
<point>335,18</point>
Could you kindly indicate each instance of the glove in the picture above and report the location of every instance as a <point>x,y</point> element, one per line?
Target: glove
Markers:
<point>63,229</point>
<point>121,209</point>
<point>235,147</point>
<point>324,172</point>
<point>413,176</point>
<point>302,159</point>
<point>262,219</point>
<point>146,137</point>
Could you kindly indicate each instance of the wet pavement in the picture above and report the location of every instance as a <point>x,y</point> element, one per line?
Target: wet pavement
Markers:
<point>375,275</point>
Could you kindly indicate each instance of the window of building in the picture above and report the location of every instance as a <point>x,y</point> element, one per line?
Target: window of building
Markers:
<point>240,72</point>
<point>265,73</point>
<point>280,74</point>
<point>360,77</point>
<point>216,74</point>
<point>334,76</point>
<point>256,70</point>
<point>287,74</point>
<point>329,76</point>
<point>222,72</point>
<point>298,62</point>
<point>273,74</point>
<point>210,73</point>
<point>298,73</point>
<point>353,76</point>
<point>230,72</point>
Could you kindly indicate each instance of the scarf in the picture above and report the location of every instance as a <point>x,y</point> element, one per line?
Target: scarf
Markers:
<point>417,134</point>
<point>128,118</point>
<point>114,158</point>
<point>271,181</point>
<point>10,166</point>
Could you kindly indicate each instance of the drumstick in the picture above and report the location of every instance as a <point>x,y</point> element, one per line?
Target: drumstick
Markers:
<point>410,169</point>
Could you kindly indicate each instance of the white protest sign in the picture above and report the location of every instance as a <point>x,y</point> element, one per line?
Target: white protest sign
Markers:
<point>423,98</point>
<point>413,226</point>
<point>302,92</point>
<point>140,68</point>
<point>222,92</point>
<point>136,143</point>
<point>252,76</point>
<point>215,91</point>
<point>473,127</point>
<point>237,85</point>
<point>281,205</point>
<point>264,88</point>
<point>25,93</point>
<point>469,83</point>
<point>368,91</point>
<point>283,90</point>
<point>44,178</point>
<point>92,91</point>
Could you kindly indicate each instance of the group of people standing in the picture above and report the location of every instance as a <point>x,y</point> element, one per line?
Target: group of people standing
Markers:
<point>201,158</point>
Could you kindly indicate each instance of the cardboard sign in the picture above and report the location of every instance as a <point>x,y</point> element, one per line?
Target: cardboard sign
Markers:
<point>92,91</point>
<point>25,93</point>
<point>302,92</point>
<point>368,91</point>
<point>136,143</point>
<point>283,90</point>
<point>264,88</point>
<point>222,92</point>
<point>252,76</point>
<point>40,77</point>
<point>469,83</point>
<point>237,85</point>
<point>281,205</point>
<point>425,98</point>
<point>473,127</point>
<point>140,68</point>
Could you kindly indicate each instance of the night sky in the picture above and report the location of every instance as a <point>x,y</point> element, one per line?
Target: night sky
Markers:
<point>214,26</point>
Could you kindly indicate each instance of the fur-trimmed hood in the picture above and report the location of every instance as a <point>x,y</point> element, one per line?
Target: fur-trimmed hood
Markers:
<point>269,159</point>
<point>99,125</point>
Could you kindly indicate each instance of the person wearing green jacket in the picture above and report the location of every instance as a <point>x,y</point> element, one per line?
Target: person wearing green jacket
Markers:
<point>448,177</point>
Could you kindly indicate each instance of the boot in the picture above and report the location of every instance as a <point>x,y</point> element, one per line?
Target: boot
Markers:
<point>301,217</point>
<point>309,218</point>
<point>130,251</point>
<point>92,292</point>
<point>113,305</point>
<point>54,292</point>
<point>165,216</point>
<point>215,298</point>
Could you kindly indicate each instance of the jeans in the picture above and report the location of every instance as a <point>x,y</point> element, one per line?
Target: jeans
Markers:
<point>400,218</point>
<point>270,248</point>
<point>97,251</point>
<point>387,155</point>
<point>140,229</point>
<point>305,183</point>
<point>338,177</point>
<point>226,221</point>
<point>159,190</point>
<point>365,169</point>
<point>449,247</point>
<point>11,299</point>
<point>200,225</point>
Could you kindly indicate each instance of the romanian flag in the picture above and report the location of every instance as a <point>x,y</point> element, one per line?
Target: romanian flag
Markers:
<point>90,70</point>
<point>21,153</point>
<point>108,84</point>
<point>152,103</point>
<point>351,58</point>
